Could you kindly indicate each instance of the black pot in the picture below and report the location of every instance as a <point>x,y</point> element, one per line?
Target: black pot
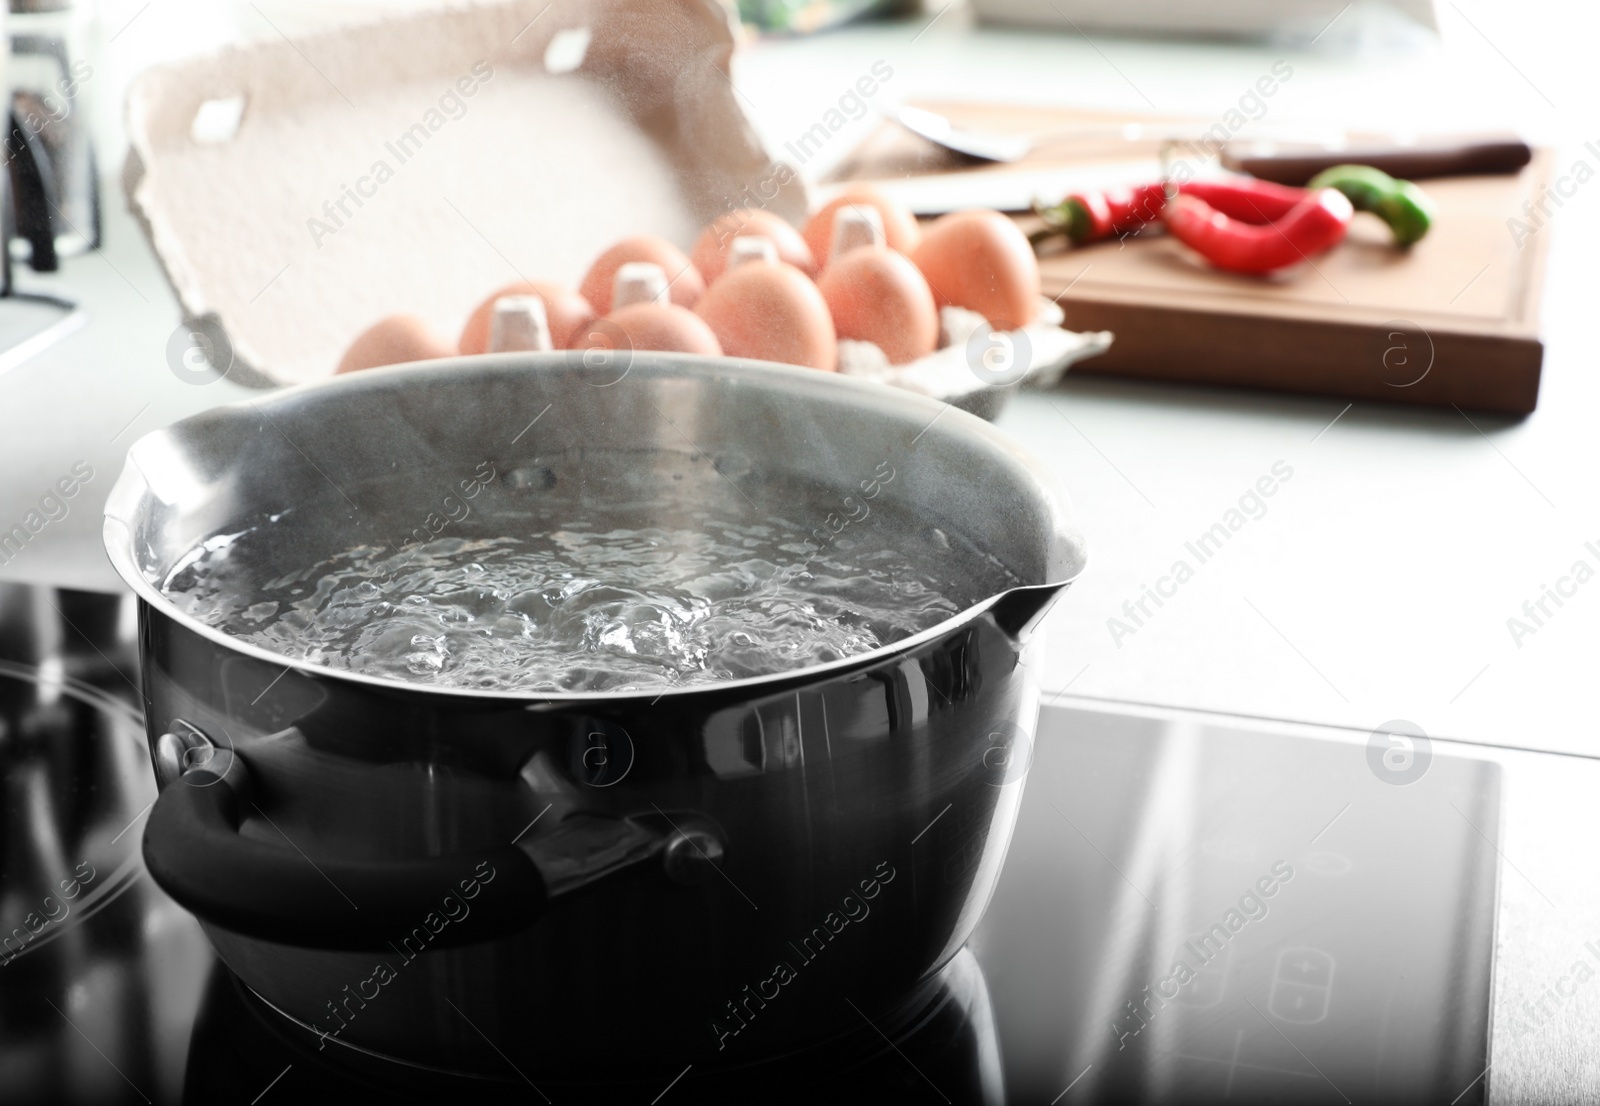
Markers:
<point>611,885</point>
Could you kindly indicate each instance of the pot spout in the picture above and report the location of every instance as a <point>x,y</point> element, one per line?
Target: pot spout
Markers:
<point>1019,610</point>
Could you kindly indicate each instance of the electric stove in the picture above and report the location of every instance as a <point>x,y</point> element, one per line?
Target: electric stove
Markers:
<point>1193,909</point>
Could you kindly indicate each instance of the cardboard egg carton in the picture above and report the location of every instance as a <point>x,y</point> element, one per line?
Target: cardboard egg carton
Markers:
<point>297,191</point>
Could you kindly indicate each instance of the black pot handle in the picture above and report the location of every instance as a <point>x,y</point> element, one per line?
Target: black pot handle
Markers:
<point>193,849</point>
<point>276,892</point>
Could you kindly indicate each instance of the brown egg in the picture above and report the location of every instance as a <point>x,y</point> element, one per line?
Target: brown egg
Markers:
<point>981,261</point>
<point>877,295</point>
<point>899,225</point>
<point>710,251</point>
<point>684,282</point>
<point>665,327</point>
<point>567,312</point>
<point>392,341</point>
<point>770,311</point>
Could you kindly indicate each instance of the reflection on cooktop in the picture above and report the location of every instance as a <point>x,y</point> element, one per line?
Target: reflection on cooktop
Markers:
<point>1197,913</point>
<point>1189,912</point>
<point>939,1046</point>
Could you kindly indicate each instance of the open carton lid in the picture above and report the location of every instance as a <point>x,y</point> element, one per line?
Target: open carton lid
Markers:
<point>297,191</point>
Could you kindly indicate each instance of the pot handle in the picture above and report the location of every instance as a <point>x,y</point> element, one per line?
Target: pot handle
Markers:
<point>194,851</point>
<point>275,892</point>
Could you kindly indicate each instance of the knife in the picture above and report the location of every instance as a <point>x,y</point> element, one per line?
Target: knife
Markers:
<point>1007,189</point>
<point>1014,188</point>
<point>1285,164</point>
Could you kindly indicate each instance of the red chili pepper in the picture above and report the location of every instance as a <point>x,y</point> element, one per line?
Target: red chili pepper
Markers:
<point>1246,199</point>
<point>1132,208</point>
<point>1088,216</point>
<point>1317,223</point>
<point>1093,216</point>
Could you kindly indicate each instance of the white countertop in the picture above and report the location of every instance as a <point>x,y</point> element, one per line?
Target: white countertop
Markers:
<point>1379,582</point>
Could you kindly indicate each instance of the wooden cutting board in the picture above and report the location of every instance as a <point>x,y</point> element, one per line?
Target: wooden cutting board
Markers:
<point>1454,320</point>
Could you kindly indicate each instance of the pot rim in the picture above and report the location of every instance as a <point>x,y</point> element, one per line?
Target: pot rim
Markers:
<point>130,485</point>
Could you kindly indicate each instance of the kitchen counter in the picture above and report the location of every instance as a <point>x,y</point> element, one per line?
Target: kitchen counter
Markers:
<point>1379,581</point>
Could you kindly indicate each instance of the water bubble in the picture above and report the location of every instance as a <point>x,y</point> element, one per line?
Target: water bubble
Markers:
<point>424,664</point>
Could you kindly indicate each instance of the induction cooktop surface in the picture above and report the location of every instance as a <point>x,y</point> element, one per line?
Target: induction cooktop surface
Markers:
<point>1193,909</point>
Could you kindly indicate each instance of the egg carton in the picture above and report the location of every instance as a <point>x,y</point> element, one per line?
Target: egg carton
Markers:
<point>976,367</point>
<point>296,192</point>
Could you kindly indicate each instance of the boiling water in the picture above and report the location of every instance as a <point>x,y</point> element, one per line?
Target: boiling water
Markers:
<point>534,583</point>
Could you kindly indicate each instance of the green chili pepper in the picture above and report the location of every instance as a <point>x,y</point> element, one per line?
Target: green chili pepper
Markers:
<point>1402,205</point>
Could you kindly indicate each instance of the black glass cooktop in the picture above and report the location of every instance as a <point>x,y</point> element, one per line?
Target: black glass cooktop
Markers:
<point>1192,910</point>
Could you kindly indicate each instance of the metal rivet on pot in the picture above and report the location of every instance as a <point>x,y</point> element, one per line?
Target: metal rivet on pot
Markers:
<point>184,749</point>
<point>169,754</point>
<point>692,856</point>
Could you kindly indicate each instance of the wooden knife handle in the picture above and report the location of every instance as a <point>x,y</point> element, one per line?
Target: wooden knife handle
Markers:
<point>1297,165</point>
